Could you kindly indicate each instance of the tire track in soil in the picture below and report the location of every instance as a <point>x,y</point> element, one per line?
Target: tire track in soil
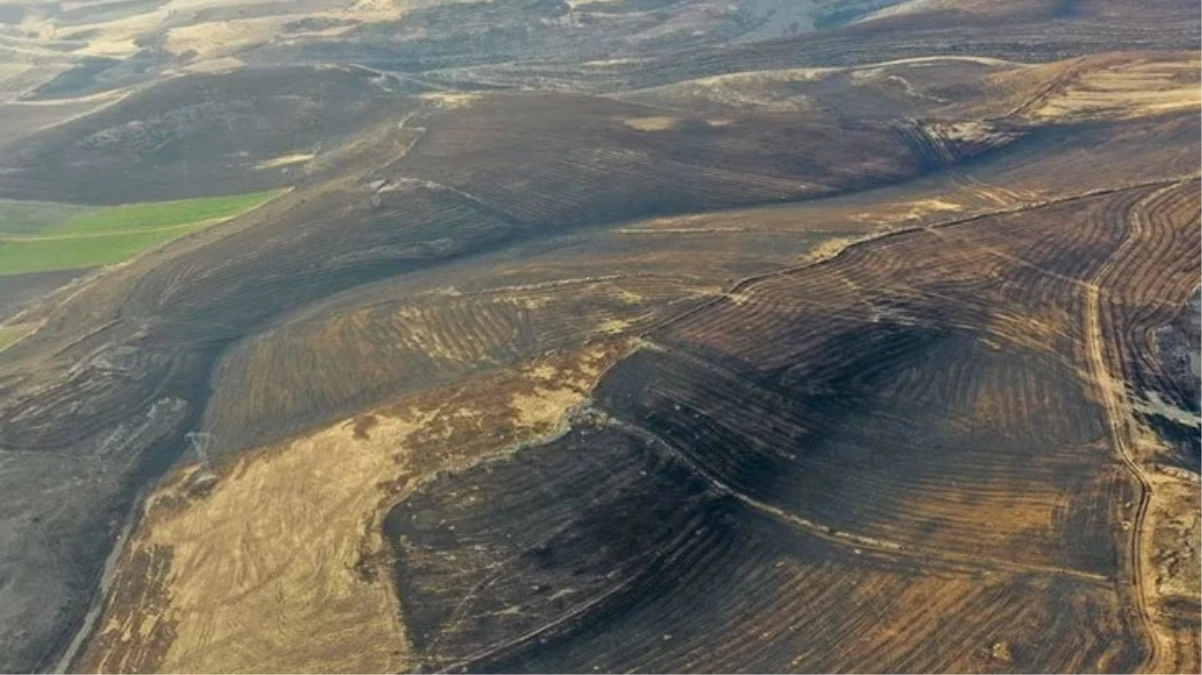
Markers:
<point>1120,422</point>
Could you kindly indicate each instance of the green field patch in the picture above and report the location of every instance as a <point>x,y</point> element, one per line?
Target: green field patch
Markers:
<point>33,239</point>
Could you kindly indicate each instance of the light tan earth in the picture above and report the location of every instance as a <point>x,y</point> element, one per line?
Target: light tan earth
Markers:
<point>226,573</point>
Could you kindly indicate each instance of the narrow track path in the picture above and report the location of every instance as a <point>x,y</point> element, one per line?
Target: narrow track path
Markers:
<point>1122,426</point>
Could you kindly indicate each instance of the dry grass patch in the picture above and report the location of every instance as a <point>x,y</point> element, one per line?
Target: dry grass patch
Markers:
<point>279,566</point>
<point>14,333</point>
<point>449,100</point>
<point>285,160</point>
<point>654,123</point>
<point>1119,86</point>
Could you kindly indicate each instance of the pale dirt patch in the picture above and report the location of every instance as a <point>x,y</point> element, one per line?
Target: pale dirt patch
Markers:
<point>609,63</point>
<point>285,160</point>
<point>534,301</point>
<point>269,555</point>
<point>629,297</point>
<point>923,207</point>
<point>450,100</point>
<point>920,6</point>
<point>540,410</point>
<point>1171,566</point>
<point>577,3</point>
<point>281,566</point>
<point>222,38</point>
<point>11,334</point>
<point>1113,86</point>
<point>654,123</point>
<point>932,60</point>
<point>544,371</point>
<point>1135,90</point>
<point>908,211</point>
<point>967,131</point>
<point>212,39</point>
<point>1175,523</point>
<point>614,326</point>
<point>115,38</point>
<point>831,248</point>
<point>559,388</point>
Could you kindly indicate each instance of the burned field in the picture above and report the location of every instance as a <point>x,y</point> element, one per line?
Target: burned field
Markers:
<point>765,460</point>
<point>859,434</point>
<point>834,350</point>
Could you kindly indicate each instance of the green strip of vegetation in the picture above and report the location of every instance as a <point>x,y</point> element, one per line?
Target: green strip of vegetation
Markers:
<point>32,242</point>
<point>155,215</point>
